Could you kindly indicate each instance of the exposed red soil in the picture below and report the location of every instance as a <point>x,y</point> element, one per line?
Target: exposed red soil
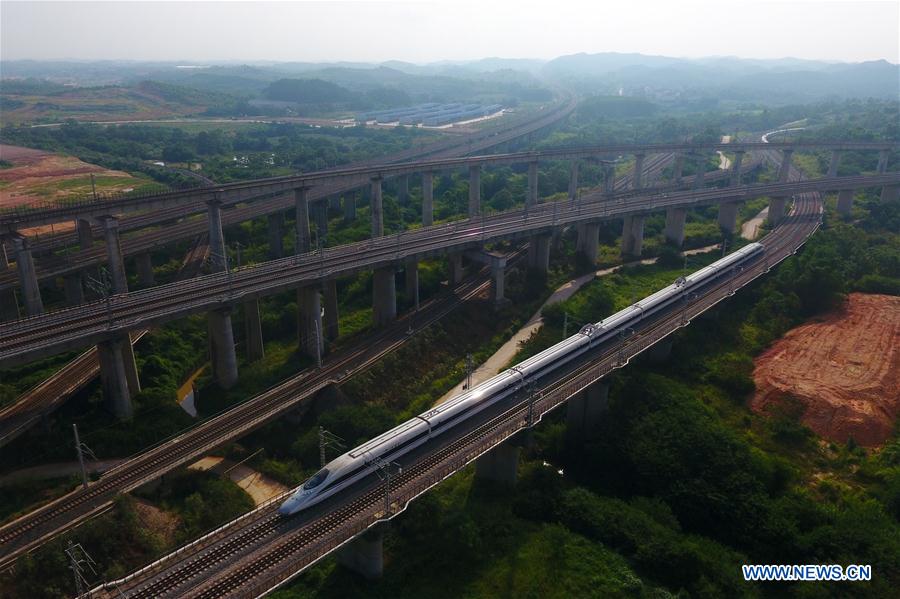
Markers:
<point>843,369</point>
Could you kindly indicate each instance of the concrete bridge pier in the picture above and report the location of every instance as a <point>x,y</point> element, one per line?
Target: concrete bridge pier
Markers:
<point>411,281</point>
<point>883,157</point>
<point>349,202</point>
<point>532,198</point>
<point>700,176</point>
<point>364,555</point>
<point>221,347</point>
<point>474,190</point>
<point>73,290</point>
<point>573,181</point>
<point>113,377</point>
<point>9,305</point>
<point>588,241</point>
<point>674,231</point>
<point>376,207</point>
<point>638,171</point>
<point>632,235</point>
<point>890,193</point>
<point>784,171</point>
<point>310,333</point>
<point>403,188</point>
<point>145,269</point>
<point>845,201</point>
<point>334,202</point>
<point>736,167</point>
<point>678,168</point>
<point>301,210</point>
<point>427,199</point>
<point>114,255</point>
<point>539,252</point>
<point>776,210</point>
<point>584,411</point>
<point>85,233</point>
<point>498,279</point>
<point>728,217</point>
<point>253,331</point>
<point>276,235</point>
<point>609,180</point>
<point>31,292</point>
<point>332,326</point>
<point>322,222</point>
<point>499,465</point>
<point>384,297</point>
<point>834,163</point>
<point>455,268</point>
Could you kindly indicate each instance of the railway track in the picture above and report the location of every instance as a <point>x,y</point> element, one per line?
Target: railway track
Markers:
<point>74,327</point>
<point>261,550</point>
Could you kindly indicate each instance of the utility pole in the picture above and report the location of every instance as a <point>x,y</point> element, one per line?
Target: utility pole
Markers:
<point>385,474</point>
<point>84,481</point>
<point>327,440</point>
<point>565,324</point>
<point>78,561</point>
<point>93,187</point>
<point>468,371</point>
<point>102,286</point>
<point>318,345</point>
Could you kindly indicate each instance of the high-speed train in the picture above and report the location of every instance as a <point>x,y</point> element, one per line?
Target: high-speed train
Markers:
<point>361,461</point>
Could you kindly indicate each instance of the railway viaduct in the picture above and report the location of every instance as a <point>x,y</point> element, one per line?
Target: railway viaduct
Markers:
<point>313,271</point>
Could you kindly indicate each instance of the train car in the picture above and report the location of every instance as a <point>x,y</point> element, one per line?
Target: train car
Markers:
<point>400,440</point>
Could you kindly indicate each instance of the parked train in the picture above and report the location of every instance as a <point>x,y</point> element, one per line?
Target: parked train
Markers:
<point>391,445</point>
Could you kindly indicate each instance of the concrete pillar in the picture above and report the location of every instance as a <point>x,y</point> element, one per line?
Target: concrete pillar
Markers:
<point>128,361</point>
<point>678,168</point>
<point>218,257</point>
<point>845,201</point>
<point>890,193</point>
<point>638,172</point>
<point>736,168</point>
<point>9,306</point>
<point>411,281</point>
<point>309,322</point>
<point>674,231</point>
<point>221,348</point>
<point>833,164</point>
<point>276,235</point>
<point>322,222</point>
<point>498,279</point>
<point>427,199</point>
<point>532,198</point>
<point>85,233</point>
<point>609,180</point>
<point>364,555</point>
<point>334,202</point>
<point>573,181</point>
<point>539,252</point>
<point>784,171</point>
<point>113,378</point>
<point>377,208</point>
<point>455,268</point>
<point>776,210</point>
<point>31,293</point>
<point>145,269</point>
<point>253,331</point>
<point>349,206</point>
<point>114,255</point>
<point>73,289</point>
<point>728,217</point>
<point>588,241</point>
<point>474,190</point>
<point>499,464</point>
<point>585,411</point>
<point>632,235</point>
<point>301,209</point>
<point>701,172</point>
<point>883,157</point>
<point>332,326</point>
<point>403,188</point>
<point>384,297</point>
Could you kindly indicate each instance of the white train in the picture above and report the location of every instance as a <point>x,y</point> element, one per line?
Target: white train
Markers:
<point>361,461</point>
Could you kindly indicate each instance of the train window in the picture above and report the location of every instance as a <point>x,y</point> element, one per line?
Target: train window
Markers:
<point>316,479</point>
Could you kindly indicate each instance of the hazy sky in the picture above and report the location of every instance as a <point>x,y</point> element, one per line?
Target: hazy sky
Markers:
<point>424,31</point>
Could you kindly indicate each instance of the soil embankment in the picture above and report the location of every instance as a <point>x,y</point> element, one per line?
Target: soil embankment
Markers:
<point>843,369</point>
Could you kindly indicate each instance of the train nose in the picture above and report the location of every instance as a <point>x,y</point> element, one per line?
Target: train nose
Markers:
<point>288,507</point>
